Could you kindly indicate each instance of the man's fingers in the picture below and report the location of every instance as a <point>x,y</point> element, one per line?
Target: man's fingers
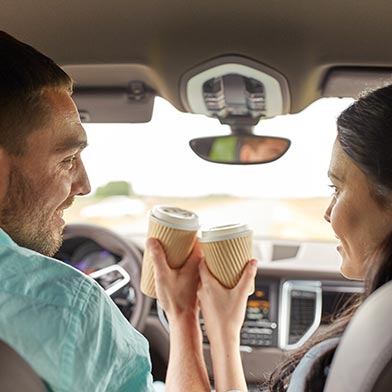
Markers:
<point>192,263</point>
<point>157,255</point>
<point>158,258</point>
<point>155,248</point>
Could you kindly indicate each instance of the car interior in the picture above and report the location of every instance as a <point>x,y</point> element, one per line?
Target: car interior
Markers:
<point>167,92</point>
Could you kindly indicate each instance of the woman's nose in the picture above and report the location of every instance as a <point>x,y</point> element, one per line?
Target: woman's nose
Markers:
<point>327,213</point>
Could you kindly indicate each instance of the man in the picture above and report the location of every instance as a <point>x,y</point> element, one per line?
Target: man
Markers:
<point>55,317</point>
<point>59,320</point>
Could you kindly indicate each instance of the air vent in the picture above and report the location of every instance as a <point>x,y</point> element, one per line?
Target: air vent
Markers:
<point>300,312</point>
<point>303,309</point>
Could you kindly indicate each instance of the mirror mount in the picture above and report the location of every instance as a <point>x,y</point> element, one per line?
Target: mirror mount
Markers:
<point>241,129</point>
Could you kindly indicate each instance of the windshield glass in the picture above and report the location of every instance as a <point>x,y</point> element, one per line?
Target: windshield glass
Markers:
<point>133,167</point>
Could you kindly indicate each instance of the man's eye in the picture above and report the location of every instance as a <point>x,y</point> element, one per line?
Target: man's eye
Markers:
<point>69,162</point>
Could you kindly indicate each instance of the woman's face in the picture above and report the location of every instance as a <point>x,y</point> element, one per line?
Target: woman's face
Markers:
<point>358,221</point>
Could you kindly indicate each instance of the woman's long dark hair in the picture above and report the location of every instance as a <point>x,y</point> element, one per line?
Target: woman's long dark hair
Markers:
<point>365,134</point>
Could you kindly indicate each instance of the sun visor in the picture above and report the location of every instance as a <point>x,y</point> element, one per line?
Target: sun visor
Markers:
<point>115,105</point>
<point>352,82</point>
<point>113,93</point>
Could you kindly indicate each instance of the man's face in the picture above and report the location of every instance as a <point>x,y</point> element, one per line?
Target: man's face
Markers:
<point>46,178</point>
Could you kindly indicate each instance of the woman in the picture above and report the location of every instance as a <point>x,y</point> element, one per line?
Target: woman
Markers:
<point>360,213</point>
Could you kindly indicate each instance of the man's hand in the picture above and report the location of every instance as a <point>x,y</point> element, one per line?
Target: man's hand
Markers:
<point>176,288</point>
<point>177,293</point>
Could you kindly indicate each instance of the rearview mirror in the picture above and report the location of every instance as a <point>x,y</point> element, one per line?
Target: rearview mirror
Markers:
<point>240,149</point>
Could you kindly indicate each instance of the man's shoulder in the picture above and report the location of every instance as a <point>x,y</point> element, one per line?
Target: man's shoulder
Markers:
<point>24,272</point>
<point>62,321</point>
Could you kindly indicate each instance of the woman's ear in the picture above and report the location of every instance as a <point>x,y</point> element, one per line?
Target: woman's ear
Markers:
<point>4,173</point>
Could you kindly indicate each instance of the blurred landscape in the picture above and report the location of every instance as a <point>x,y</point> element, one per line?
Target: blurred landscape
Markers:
<point>294,219</point>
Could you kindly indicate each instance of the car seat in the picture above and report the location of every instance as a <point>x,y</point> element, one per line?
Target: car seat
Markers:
<point>16,374</point>
<point>363,359</point>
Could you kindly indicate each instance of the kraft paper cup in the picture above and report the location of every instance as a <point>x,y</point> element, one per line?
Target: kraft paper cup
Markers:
<point>227,249</point>
<point>176,229</point>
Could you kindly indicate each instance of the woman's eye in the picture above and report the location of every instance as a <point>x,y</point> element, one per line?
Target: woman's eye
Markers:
<point>335,190</point>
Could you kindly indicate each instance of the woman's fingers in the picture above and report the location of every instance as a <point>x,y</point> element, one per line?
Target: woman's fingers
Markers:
<point>246,281</point>
<point>203,270</point>
<point>206,276</point>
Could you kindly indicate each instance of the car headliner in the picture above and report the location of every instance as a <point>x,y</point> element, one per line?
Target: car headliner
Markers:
<point>161,40</point>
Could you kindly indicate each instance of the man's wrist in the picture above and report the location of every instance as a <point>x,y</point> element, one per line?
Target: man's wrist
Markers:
<point>188,317</point>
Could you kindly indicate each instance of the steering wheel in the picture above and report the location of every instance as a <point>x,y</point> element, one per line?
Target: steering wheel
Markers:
<point>128,269</point>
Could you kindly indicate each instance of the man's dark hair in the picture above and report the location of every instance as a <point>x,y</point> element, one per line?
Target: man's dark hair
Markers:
<point>25,74</point>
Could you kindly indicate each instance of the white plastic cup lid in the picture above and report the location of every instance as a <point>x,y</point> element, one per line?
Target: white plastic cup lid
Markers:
<point>175,217</point>
<point>226,232</point>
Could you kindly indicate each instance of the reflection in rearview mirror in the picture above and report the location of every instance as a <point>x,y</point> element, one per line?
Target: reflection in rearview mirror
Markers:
<point>240,149</point>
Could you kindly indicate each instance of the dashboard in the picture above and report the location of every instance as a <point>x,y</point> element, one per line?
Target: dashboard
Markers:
<point>294,297</point>
<point>260,325</point>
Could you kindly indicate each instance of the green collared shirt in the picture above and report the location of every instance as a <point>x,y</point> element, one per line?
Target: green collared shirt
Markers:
<point>66,327</point>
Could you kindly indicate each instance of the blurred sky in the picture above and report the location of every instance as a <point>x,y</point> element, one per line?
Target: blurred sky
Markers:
<point>156,159</point>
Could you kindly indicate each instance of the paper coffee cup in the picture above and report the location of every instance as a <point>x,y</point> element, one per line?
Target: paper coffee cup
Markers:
<point>227,249</point>
<point>176,229</point>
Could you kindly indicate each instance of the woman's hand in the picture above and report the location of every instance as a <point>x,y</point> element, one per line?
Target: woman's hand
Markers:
<point>224,309</point>
<point>223,312</point>
<point>176,288</point>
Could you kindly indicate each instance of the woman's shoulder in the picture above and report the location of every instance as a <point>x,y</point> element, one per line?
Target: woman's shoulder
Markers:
<point>313,368</point>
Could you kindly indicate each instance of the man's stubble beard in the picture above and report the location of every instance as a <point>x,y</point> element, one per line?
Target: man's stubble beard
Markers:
<point>24,219</point>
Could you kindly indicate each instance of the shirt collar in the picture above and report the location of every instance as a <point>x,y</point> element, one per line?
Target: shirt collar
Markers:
<point>5,239</point>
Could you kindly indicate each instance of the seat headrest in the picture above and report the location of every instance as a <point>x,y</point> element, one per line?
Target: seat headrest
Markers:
<point>363,359</point>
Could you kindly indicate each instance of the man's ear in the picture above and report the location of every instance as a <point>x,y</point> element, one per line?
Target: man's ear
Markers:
<point>4,173</point>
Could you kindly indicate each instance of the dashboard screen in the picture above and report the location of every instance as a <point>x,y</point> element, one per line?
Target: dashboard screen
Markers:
<point>259,329</point>
<point>259,304</point>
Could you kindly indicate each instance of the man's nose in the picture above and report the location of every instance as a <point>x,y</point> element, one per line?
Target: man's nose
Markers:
<point>81,184</point>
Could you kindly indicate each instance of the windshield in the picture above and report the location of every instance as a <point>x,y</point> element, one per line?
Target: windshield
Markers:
<point>133,167</point>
